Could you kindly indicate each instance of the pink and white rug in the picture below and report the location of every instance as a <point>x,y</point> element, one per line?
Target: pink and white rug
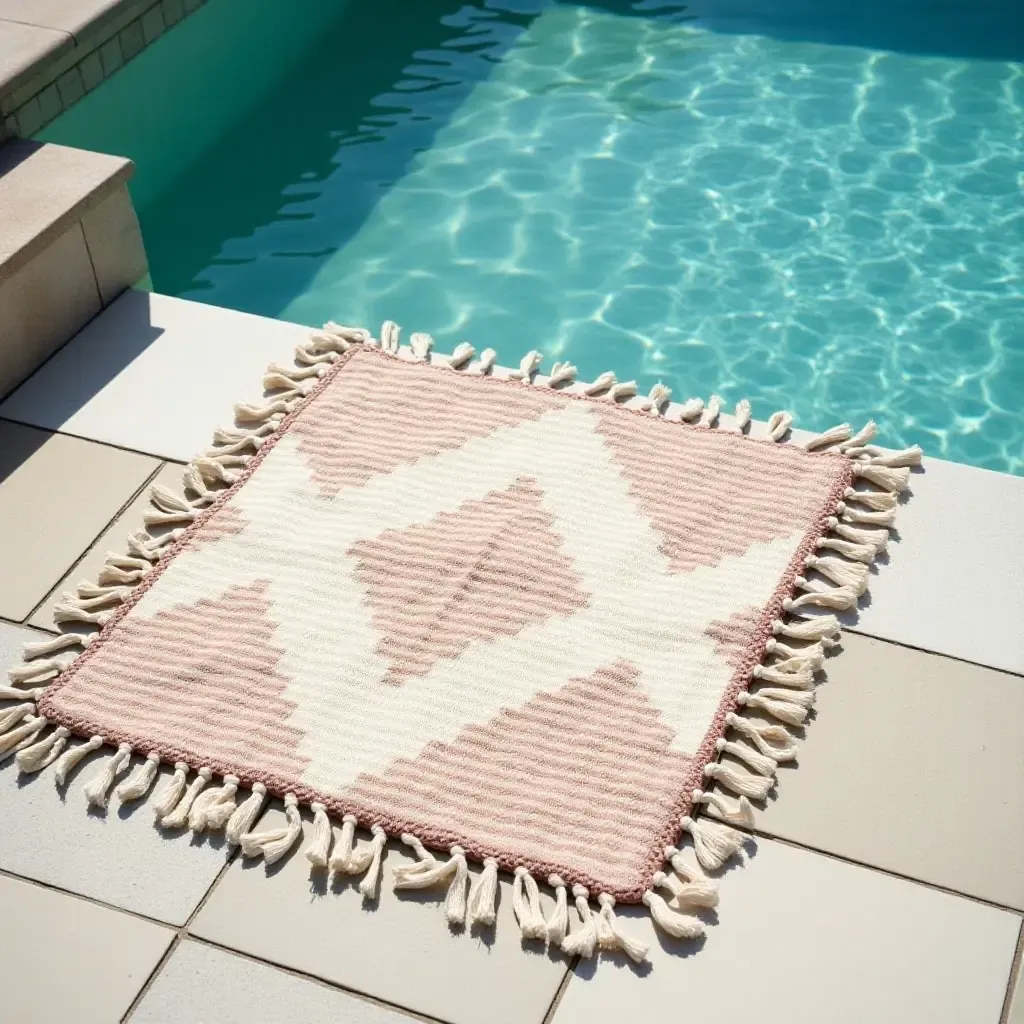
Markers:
<point>514,619</point>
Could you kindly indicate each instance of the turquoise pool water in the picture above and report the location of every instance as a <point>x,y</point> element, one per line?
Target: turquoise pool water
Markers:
<point>818,210</point>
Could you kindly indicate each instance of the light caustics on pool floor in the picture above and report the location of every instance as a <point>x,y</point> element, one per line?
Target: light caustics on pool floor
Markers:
<point>823,228</point>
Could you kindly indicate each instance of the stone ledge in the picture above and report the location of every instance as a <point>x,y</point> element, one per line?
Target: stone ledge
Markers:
<point>45,189</point>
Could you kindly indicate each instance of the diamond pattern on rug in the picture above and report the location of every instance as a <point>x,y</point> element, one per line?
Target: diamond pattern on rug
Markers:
<point>437,587</point>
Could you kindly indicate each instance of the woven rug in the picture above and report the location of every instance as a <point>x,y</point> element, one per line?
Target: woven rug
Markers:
<point>556,629</point>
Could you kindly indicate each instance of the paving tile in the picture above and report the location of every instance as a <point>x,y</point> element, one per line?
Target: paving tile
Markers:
<point>101,385</point>
<point>22,48</point>
<point>118,857</point>
<point>64,958</point>
<point>115,244</point>
<point>57,494</point>
<point>401,951</point>
<point>803,938</point>
<point>914,763</point>
<point>202,983</point>
<point>113,539</point>
<point>43,304</point>
<point>952,583</point>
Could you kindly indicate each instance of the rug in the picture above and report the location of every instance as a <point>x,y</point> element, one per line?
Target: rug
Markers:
<point>559,630</point>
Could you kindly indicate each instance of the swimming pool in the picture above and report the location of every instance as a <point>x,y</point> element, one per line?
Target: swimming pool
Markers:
<point>818,211</point>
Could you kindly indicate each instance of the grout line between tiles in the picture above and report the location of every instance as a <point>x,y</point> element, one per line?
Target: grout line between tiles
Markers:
<point>92,264</point>
<point>925,650</point>
<point>1013,983</point>
<point>53,887</point>
<point>795,844</point>
<point>91,440</point>
<point>110,522</point>
<point>179,936</point>
<point>321,982</point>
<point>556,1000</point>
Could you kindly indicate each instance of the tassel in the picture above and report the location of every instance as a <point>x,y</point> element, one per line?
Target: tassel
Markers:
<point>772,740</point>
<point>112,575</point>
<point>699,890</point>
<point>740,813</point>
<point>561,373</point>
<point>245,815</point>
<point>858,552</point>
<point>370,885</point>
<point>37,671</point>
<point>421,344</point>
<point>839,598</point>
<point>742,415</point>
<point>20,737</point>
<point>880,457</point>
<point>97,790</point>
<point>799,677</point>
<point>165,519</point>
<point>760,763</point>
<point>425,863</point>
<point>455,899</point>
<point>173,791</point>
<point>865,434</point>
<point>611,937</point>
<point>846,574</point>
<point>527,366</point>
<point>42,753</point>
<point>526,905</point>
<point>166,500</point>
<point>390,333</point>
<point>691,408</point>
<point>791,658</point>
<point>885,518</point>
<point>247,413</point>
<point>58,643</point>
<point>213,807</point>
<point>178,817</point>
<point>556,927</point>
<point>877,539</point>
<point>880,501</point>
<point>73,756</point>
<point>296,372</point>
<point>714,409</point>
<point>601,383</point>
<point>756,787</point>
<point>273,844</point>
<point>679,926</point>
<point>822,627</point>
<point>659,396</point>
<point>713,843</point>
<point>885,477</point>
<point>583,941</point>
<point>622,390</point>
<point>319,851</point>
<point>459,359</point>
<point>487,360</point>
<point>139,783</point>
<point>483,895</point>
<point>347,860</point>
<point>10,718</point>
<point>687,897</point>
<point>781,704</point>
<point>832,436</point>
<point>63,613</point>
<point>779,424</point>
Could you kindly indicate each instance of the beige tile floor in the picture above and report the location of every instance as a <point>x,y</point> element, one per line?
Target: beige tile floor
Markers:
<point>884,882</point>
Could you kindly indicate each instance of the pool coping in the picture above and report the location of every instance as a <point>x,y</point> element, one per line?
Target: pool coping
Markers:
<point>55,59</point>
